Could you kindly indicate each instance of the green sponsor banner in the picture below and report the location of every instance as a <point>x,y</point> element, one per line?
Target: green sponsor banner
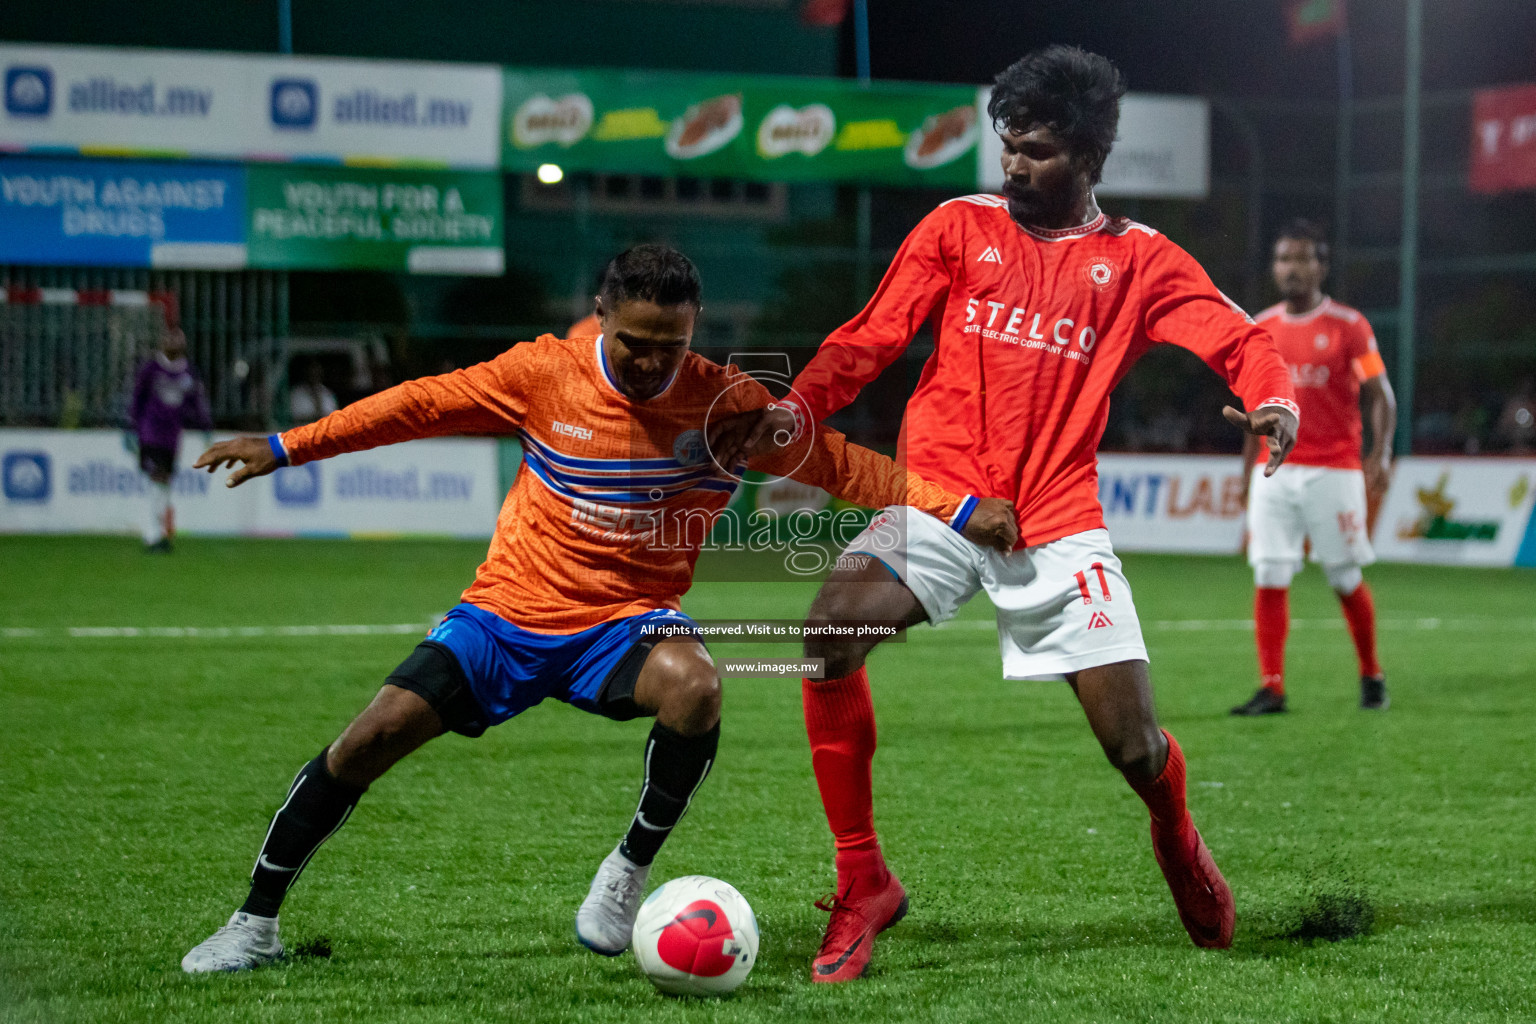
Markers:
<point>759,128</point>
<point>333,218</point>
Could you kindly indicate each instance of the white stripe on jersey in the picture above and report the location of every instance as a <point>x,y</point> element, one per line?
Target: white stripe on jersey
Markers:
<point>980,199</point>
<point>1120,226</point>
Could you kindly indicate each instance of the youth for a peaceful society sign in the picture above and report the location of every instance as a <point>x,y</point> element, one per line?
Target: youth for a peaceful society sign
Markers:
<point>424,222</point>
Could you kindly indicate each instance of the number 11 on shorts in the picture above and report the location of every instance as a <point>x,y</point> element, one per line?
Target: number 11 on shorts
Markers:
<point>1082,582</point>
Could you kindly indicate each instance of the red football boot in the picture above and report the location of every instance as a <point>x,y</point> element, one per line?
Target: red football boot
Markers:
<point>864,909</point>
<point>1202,896</point>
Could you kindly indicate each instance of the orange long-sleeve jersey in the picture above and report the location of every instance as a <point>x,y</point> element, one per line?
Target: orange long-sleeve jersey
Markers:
<point>615,496</point>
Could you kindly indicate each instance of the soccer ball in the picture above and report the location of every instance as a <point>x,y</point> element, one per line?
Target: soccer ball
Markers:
<point>696,936</point>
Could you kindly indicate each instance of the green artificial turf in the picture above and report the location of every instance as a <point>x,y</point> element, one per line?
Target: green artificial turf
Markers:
<point>139,772</point>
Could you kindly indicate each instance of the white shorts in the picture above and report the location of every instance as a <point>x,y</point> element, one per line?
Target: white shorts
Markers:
<point>1061,607</point>
<point>1317,503</point>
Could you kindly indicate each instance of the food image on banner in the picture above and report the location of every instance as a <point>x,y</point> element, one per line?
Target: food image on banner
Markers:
<point>542,119</point>
<point>787,130</point>
<point>752,127</point>
<point>122,214</point>
<point>705,127</point>
<point>425,222</point>
<point>942,138</point>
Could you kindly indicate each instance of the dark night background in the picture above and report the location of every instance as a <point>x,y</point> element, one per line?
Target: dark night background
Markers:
<point>1477,309</point>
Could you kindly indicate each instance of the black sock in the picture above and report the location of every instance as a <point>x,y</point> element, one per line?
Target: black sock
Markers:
<point>316,807</point>
<point>675,767</point>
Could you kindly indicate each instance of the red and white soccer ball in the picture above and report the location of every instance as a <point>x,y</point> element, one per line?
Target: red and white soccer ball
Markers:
<point>696,936</point>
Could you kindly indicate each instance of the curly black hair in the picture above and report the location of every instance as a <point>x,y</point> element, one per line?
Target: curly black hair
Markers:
<point>1300,230</point>
<point>1074,93</point>
<point>655,273</point>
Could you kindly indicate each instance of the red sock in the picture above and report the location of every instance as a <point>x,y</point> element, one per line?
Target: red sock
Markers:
<point>1164,795</point>
<point>840,721</point>
<point>1360,613</point>
<point>1271,623</point>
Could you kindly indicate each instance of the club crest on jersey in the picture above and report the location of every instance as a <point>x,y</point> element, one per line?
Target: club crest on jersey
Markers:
<point>1100,272</point>
<point>1320,342</point>
<point>990,256</point>
<point>689,449</point>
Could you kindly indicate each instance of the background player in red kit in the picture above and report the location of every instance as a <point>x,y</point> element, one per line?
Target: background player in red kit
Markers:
<point>1041,305</point>
<point>1320,495</point>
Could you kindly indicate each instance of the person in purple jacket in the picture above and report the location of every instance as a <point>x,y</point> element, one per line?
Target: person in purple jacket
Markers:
<point>167,395</point>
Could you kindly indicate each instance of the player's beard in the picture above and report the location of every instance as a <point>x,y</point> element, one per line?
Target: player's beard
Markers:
<point>1033,208</point>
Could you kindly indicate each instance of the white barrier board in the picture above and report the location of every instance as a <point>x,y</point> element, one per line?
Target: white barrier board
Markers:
<point>1454,511</point>
<point>1174,503</point>
<point>86,481</point>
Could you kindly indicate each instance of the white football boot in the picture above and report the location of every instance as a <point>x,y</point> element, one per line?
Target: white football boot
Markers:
<point>246,941</point>
<point>606,918</point>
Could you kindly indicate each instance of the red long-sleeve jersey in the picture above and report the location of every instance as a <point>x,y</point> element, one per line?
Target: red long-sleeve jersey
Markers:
<point>1033,330</point>
<point>1330,351</point>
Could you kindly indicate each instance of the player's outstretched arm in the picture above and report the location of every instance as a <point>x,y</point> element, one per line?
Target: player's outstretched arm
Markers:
<point>1275,424</point>
<point>827,460</point>
<point>854,354</point>
<point>490,398</point>
<point>250,457</point>
<point>1188,310</point>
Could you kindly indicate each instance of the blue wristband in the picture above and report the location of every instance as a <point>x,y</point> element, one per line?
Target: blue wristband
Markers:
<point>275,442</point>
<point>963,513</point>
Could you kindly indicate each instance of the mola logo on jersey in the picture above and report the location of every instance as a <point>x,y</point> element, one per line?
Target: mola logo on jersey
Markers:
<point>990,256</point>
<point>580,433</point>
<point>613,523</point>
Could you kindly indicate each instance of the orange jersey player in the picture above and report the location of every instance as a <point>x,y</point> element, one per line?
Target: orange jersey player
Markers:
<point>579,596</point>
<point>1321,494</point>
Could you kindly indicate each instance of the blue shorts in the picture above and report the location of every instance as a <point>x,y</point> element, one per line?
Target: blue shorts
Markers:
<point>509,669</point>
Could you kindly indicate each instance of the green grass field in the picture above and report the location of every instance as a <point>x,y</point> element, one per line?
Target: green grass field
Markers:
<point>139,773</point>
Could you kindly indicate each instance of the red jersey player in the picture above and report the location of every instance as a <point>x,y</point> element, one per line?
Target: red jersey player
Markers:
<point>579,596</point>
<point>1041,304</point>
<point>1320,494</point>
